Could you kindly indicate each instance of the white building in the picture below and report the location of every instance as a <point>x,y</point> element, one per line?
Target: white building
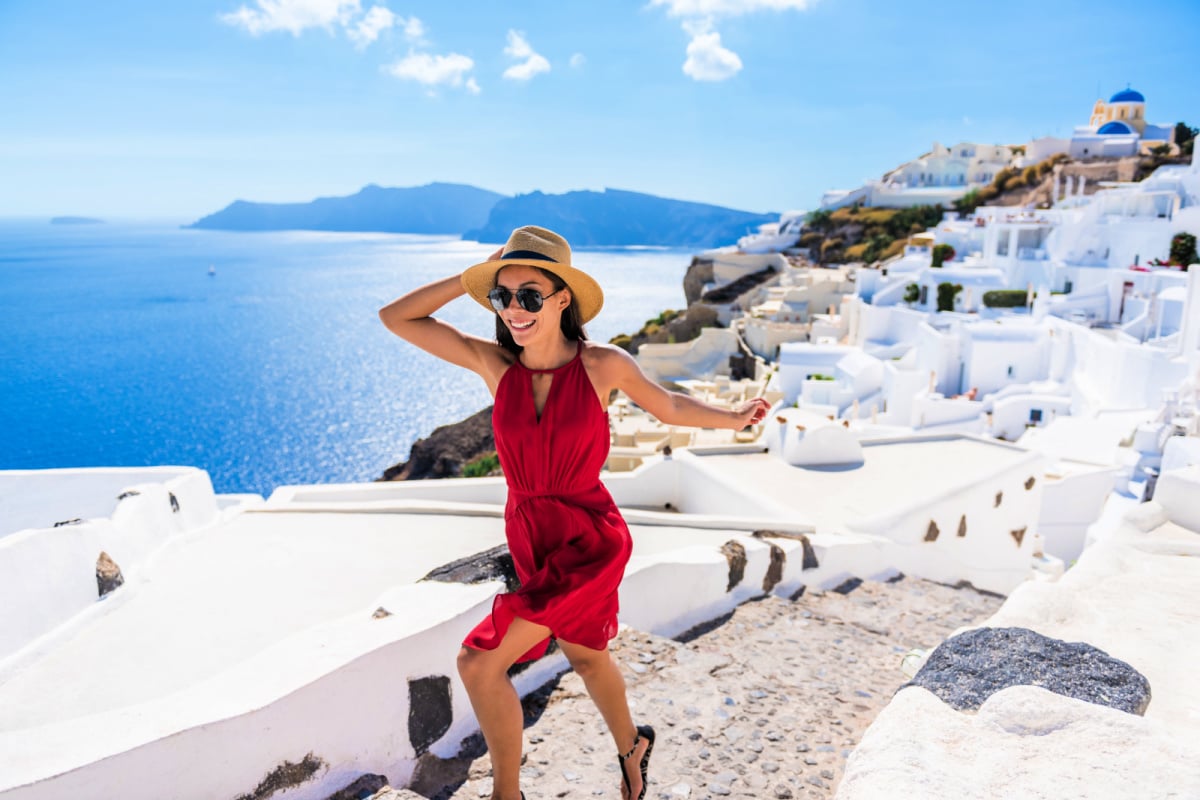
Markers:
<point>942,175</point>
<point>1119,128</point>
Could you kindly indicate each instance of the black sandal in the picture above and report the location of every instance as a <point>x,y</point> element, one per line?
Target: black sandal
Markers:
<point>643,732</point>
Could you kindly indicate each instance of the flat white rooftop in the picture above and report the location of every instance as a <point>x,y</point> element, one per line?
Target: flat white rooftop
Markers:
<point>892,476</point>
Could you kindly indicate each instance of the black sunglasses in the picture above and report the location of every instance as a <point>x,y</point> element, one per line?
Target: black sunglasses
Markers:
<point>529,299</point>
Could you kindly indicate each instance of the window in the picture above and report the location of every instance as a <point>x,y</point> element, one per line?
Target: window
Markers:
<point>1035,414</point>
<point>1010,370</point>
<point>924,295</point>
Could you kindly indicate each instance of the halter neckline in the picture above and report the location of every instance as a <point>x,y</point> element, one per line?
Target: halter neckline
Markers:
<point>574,358</point>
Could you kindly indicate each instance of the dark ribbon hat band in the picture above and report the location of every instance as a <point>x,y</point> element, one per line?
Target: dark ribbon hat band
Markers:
<point>527,254</point>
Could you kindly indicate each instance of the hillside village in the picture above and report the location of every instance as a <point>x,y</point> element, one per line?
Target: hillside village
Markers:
<point>984,371</point>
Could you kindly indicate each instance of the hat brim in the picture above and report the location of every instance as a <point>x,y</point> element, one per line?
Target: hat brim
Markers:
<point>480,279</point>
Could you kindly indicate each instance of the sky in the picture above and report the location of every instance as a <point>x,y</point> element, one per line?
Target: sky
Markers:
<point>141,110</point>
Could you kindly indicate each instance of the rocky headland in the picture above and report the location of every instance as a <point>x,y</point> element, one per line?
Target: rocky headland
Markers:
<point>446,452</point>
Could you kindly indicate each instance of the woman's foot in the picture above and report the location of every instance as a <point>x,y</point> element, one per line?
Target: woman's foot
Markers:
<point>635,763</point>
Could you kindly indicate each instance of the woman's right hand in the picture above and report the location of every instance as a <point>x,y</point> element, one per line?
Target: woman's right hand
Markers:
<point>496,255</point>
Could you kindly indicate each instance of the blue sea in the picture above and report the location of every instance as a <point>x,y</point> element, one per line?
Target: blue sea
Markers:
<point>121,349</point>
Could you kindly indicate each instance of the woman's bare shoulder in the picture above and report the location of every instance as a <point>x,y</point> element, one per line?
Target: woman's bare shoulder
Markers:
<point>601,356</point>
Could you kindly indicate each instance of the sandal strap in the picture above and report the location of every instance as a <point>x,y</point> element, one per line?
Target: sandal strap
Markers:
<point>637,738</point>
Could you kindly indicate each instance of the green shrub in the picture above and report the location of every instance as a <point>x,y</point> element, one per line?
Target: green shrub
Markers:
<point>912,293</point>
<point>819,219</point>
<point>817,376</point>
<point>945,295</point>
<point>1183,250</point>
<point>481,466</point>
<point>941,254</point>
<point>1005,298</point>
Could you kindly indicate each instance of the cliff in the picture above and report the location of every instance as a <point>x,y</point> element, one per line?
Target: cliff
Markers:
<point>444,453</point>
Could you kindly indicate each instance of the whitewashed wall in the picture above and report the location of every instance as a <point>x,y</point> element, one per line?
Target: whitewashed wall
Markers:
<point>50,573</point>
<point>988,555</point>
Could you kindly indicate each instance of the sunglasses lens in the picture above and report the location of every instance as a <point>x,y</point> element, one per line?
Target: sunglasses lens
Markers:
<point>499,298</point>
<point>528,299</point>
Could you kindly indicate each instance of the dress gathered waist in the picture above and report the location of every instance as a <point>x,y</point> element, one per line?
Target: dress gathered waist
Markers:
<point>517,496</point>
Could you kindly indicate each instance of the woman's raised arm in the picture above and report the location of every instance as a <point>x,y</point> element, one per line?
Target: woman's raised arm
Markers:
<point>675,408</point>
<point>409,318</point>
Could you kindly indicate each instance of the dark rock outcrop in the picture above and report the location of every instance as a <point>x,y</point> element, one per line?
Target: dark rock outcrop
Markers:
<point>699,273</point>
<point>681,328</point>
<point>446,450</point>
<point>732,291</point>
<point>967,669</point>
<point>490,565</point>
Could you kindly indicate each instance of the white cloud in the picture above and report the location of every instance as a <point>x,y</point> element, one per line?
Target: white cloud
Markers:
<point>293,16</point>
<point>728,8</point>
<point>434,70</point>
<point>708,61</point>
<point>377,20</point>
<point>414,30</point>
<point>578,60</point>
<point>531,63</point>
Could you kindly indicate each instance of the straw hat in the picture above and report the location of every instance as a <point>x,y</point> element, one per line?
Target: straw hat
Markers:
<point>536,247</point>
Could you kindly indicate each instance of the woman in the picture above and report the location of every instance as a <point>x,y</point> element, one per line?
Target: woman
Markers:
<point>568,541</point>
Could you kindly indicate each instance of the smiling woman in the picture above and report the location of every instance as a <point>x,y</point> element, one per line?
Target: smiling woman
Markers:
<point>568,541</point>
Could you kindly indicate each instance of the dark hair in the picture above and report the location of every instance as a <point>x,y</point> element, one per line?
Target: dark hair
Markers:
<point>571,322</point>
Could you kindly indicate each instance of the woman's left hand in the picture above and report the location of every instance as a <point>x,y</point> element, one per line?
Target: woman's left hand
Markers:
<point>750,412</point>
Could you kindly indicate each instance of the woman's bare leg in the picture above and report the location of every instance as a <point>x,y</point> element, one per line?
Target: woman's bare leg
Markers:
<point>606,686</point>
<point>496,704</point>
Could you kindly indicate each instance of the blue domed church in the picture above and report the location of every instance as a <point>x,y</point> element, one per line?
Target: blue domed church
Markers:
<point>1119,128</point>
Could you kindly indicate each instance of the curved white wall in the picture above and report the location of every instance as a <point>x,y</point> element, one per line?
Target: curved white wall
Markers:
<point>50,573</point>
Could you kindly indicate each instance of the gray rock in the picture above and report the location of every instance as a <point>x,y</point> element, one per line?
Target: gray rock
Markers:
<point>446,450</point>
<point>108,574</point>
<point>967,669</point>
<point>367,785</point>
<point>490,565</point>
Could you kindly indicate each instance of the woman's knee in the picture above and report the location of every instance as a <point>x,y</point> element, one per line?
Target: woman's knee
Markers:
<point>589,663</point>
<point>471,665</point>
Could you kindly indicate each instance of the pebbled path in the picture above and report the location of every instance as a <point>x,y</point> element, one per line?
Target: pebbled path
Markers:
<point>765,703</point>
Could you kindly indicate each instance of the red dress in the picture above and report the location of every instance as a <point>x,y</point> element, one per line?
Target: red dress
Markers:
<point>568,541</point>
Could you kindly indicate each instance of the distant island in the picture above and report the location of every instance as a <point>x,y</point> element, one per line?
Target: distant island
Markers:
<point>75,221</point>
<point>616,218</point>
<point>437,208</point>
<point>612,218</point>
